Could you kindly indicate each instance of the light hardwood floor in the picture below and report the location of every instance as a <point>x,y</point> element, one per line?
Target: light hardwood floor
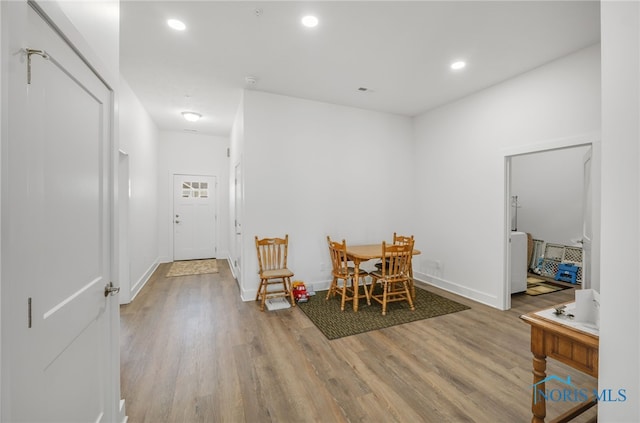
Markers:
<point>192,351</point>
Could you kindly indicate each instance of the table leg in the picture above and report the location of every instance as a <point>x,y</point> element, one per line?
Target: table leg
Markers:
<point>356,284</point>
<point>538,404</point>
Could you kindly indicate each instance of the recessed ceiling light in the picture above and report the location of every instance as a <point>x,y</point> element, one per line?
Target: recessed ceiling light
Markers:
<point>176,24</point>
<point>191,116</point>
<point>310,21</point>
<point>458,65</point>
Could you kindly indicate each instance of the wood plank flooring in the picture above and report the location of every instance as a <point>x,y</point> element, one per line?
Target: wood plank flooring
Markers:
<point>192,351</point>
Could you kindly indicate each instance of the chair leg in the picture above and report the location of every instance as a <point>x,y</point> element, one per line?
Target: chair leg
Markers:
<point>366,291</point>
<point>259,289</point>
<point>411,283</point>
<point>332,288</point>
<point>289,290</point>
<point>344,294</point>
<point>263,288</point>
<point>356,289</point>
<point>408,294</point>
<point>374,281</point>
<point>384,298</point>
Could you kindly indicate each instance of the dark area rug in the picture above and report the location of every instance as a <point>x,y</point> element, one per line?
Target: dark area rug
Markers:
<point>334,324</point>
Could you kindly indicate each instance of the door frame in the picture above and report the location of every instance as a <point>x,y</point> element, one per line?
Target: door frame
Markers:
<point>238,199</point>
<point>122,257</point>
<point>591,139</point>
<point>172,208</point>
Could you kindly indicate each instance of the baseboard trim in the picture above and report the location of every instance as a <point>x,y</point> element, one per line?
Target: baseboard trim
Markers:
<point>122,417</point>
<point>250,294</point>
<point>454,288</point>
<point>135,289</point>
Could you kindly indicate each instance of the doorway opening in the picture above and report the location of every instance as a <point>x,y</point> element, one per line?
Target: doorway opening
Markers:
<point>552,210</point>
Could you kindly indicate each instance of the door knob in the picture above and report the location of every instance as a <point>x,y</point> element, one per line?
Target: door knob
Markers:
<point>109,289</point>
<point>177,221</point>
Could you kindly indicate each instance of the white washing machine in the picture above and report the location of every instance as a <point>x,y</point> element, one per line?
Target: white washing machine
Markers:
<point>518,246</point>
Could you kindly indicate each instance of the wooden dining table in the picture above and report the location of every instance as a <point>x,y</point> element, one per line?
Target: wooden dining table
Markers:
<point>360,253</point>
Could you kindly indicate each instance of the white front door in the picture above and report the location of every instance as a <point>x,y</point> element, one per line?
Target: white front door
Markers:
<point>194,217</point>
<point>57,361</point>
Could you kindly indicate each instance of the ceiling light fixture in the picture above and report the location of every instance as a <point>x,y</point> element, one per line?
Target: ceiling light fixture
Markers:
<point>176,24</point>
<point>458,65</point>
<point>191,116</point>
<point>310,21</point>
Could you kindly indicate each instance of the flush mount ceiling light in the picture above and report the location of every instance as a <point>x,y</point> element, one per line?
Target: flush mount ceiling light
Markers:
<point>310,21</point>
<point>458,65</point>
<point>176,24</point>
<point>191,116</point>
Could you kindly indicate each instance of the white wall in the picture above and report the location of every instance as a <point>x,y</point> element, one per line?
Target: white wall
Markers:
<point>459,161</point>
<point>99,23</point>
<point>139,139</point>
<point>620,287</point>
<point>195,154</point>
<point>314,169</point>
<point>549,186</point>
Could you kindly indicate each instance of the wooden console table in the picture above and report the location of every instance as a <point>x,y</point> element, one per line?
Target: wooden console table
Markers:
<point>567,344</point>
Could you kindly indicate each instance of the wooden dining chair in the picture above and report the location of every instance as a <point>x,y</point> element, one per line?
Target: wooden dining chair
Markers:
<point>272,263</point>
<point>394,277</point>
<point>403,239</point>
<point>343,282</point>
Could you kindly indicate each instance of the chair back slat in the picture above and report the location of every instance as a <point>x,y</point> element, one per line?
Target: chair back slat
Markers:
<point>272,253</point>
<point>339,260</point>
<point>402,239</point>
<point>398,258</point>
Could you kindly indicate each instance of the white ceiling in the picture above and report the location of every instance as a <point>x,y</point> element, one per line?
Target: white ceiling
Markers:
<point>400,51</point>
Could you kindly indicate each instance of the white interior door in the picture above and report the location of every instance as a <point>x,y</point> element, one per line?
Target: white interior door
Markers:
<point>587,221</point>
<point>56,349</point>
<point>194,217</point>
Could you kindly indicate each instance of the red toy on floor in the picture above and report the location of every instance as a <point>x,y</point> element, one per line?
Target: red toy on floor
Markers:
<point>300,292</point>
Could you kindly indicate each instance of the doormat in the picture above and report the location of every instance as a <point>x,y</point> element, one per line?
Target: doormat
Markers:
<point>333,323</point>
<point>543,287</point>
<point>192,267</point>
